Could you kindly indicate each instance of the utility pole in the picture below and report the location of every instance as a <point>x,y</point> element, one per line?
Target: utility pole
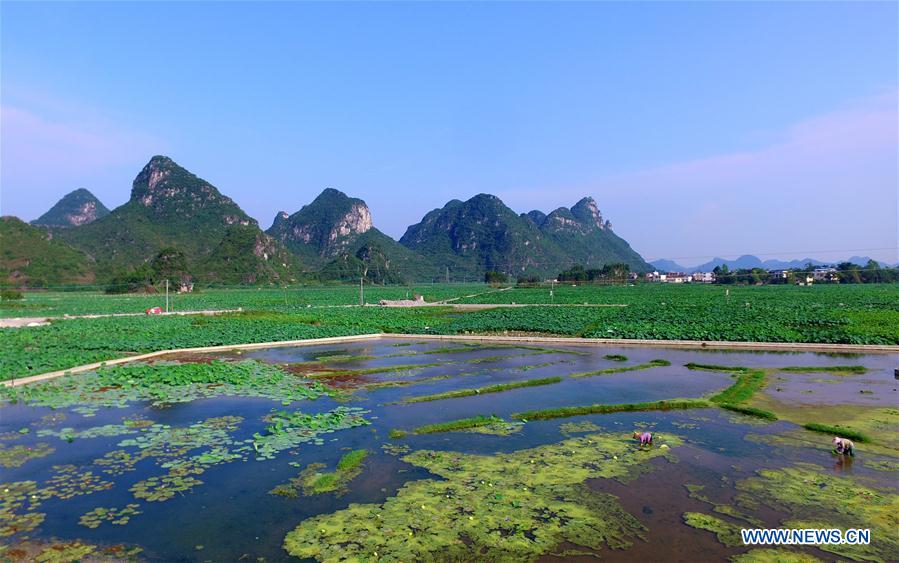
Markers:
<point>166,295</point>
<point>447,274</point>
<point>552,286</point>
<point>361,295</point>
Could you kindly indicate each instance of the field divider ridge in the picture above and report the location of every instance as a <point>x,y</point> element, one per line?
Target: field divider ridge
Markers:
<point>221,348</point>
<point>634,342</point>
<point>566,341</point>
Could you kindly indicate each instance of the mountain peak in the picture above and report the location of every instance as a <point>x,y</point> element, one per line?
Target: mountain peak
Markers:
<point>587,212</point>
<point>586,201</point>
<point>482,200</point>
<point>78,207</point>
<point>159,159</point>
<point>483,234</point>
<point>168,190</point>
<point>479,234</point>
<point>280,221</point>
<point>331,222</point>
<point>155,174</point>
<point>80,192</point>
<point>536,216</point>
<point>333,192</point>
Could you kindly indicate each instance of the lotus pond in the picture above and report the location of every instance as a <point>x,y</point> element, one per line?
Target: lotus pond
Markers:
<point>399,449</point>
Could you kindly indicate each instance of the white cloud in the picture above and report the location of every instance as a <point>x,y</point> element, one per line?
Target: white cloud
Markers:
<point>41,154</point>
<point>829,183</point>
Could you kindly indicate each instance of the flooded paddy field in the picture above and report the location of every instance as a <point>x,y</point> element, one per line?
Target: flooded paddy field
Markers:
<point>416,450</point>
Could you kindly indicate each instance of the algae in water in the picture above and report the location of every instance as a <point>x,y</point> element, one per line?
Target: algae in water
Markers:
<point>728,534</point>
<point>774,556</point>
<point>816,499</point>
<point>511,506</point>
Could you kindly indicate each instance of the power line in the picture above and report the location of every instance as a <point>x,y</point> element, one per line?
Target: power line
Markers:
<point>350,284</point>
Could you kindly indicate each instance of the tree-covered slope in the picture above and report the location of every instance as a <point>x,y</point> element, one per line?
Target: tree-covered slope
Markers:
<point>31,257</point>
<point>483,234</point>
<point>246,255</point>
<point>588,239</point>
<point>480,235</point>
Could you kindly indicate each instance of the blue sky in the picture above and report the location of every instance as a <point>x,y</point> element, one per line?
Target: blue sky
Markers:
<point>700,128</point>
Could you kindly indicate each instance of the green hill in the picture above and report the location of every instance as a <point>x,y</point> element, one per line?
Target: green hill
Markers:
<point>335,234</point>
<point>246,255</point>
<point>588,239</point>
<point>480,235</point>
<point>483,234</point>
<point>169,208</point>
<point>31,257</point>
<point>79,207</point>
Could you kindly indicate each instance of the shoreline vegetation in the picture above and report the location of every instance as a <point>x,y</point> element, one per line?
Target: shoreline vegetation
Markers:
<point>413,367</point>
<point>748,382</point>
<point>838,430</point>
<point>460,424</point>
<point>609,371</point>
<point>564,412</point>
<point>499,388</point>
<point>836,370</point>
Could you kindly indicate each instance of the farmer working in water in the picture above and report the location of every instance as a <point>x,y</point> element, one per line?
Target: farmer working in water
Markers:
<point>843,446</point>
<point>645,438</point>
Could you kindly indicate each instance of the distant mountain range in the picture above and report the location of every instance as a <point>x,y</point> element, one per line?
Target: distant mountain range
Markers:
<point>748,261</point>
<point>174,215</point>
<point>170,208</point>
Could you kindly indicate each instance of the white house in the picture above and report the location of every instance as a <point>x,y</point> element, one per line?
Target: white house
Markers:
<point>825,274</point>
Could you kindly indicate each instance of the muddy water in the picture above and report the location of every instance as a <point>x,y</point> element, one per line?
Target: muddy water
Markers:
<point>233,516</point>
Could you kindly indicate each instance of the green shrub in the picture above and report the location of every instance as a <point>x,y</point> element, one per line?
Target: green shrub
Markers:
<point>564,412</point>
<point>352,460</point>
<point>837,430</point>
<point>11,295</point>
<point>751,411</point>
<point>461,424</point>
<point>615,357</point>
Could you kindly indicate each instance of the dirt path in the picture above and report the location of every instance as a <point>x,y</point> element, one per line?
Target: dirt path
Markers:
<point>20,322</point>
<point>447,301</point>
<point>482,306</point>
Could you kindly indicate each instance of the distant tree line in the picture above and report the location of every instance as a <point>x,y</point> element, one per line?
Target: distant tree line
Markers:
<point>169,264</point>
<point>609,273</point>
<point>616,272</point>
<point>869,273</point>
<point>495,278</point>
<point>844,272</point>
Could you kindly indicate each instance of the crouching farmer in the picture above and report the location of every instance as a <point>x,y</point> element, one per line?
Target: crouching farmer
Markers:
<point>644,437</point>
<point>843,446</point>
